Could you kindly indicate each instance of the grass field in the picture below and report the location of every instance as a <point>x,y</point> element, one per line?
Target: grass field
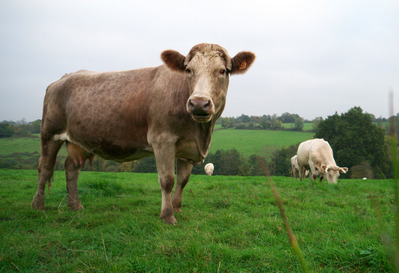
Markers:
<point>255,141</point>
<point>23,145</point>
<point>228,224</point>
<point>246,142</point>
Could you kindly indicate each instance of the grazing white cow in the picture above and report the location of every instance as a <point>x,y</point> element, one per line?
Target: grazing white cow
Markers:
<point>209,168</point>
<point>295,167</point>
<point>317,155</point>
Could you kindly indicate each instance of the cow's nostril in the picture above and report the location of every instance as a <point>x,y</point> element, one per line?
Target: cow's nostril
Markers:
<point>200,107</point>
<point>207,105</point>
<point>191,105</point>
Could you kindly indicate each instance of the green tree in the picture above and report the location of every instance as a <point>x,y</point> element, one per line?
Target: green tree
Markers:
<point>355,139</point>
<point>298,124</point>
<point>232,122</point>
<point>146,165</point>
<point>226,123</point>
<point>288,118</point>
<point>277,124</point>
<point>6,129</point>
<point>35,126</point>
<point>315,123</point>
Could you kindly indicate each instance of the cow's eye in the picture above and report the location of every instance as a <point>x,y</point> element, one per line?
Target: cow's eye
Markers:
<point>222,71</point>
<point>188,70</point>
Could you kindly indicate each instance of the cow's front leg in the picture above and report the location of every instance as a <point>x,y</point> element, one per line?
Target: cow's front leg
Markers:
<point>165,159</point>
<point>302,171</point>
<point>183,174</point>
<point>313,173</point>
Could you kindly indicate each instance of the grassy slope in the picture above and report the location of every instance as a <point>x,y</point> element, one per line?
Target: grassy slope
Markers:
<point>245,141</point>
<point>255,141</point>
<point>228,224</point>
<point>23,145</point>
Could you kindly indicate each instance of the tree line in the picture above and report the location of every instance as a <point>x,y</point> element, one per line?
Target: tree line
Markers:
<point>20,128</point>
<point>275,122</point>
<point>359,142</point>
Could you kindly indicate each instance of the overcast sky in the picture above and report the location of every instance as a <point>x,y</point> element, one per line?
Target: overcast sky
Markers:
<point>314,58</point>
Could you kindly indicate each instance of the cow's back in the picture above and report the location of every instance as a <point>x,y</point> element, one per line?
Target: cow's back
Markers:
<point>321,152</point>
<point>315,151</point>
<point>304,152</point>
<point>111,112</point>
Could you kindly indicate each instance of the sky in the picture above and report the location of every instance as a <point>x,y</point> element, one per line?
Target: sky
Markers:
<point>314,58</point>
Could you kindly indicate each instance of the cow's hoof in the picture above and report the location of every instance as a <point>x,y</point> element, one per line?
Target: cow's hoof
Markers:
<point>76,207</point>
<point>177,209</point>
<point>37,207</point>
<point>37,203</point>
<point>169,220</point>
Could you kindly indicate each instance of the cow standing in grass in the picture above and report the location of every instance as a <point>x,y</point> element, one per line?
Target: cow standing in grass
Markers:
<point>295,167</point>
<point>168,111</point>
<point>317,155</point>
<point>209,168</point>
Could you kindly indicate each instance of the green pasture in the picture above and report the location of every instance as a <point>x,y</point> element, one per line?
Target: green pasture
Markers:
<point>260,142</point>
<point>23,145</point>
<point>228,224</point>
<point>246,142</point>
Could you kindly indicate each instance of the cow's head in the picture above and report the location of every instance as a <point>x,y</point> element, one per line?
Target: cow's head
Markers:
<point>331,173</point>
<point>208,67</point>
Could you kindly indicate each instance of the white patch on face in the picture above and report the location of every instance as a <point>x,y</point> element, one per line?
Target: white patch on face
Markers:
<point>62,137</point>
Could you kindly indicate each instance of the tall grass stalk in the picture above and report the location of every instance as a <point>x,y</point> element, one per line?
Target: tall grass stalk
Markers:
<point>395,175</point>
<point>290,234</point>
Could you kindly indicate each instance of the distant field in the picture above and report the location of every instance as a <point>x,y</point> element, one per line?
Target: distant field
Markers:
<point>306,126</point>
<point>245,141</point>
<point>22,145</point>
<point>255,141</point>
<point>19,145</point>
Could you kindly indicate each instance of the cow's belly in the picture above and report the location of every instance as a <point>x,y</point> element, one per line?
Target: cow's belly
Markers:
<point>121,151</point>
<point>123,155</point>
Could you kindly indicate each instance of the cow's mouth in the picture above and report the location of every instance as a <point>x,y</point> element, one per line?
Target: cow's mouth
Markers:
<point>202,117</point>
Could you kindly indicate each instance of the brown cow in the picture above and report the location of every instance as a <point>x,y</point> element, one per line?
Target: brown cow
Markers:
<point>168,111</point>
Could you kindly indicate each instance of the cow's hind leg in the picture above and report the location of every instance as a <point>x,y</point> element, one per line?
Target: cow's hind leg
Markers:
<point>73,163</point>
<point>183,174</point>
<point>72,174</point>
<point>47,161</point>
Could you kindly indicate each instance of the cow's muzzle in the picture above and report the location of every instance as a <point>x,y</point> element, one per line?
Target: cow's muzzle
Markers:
<point>200,108</point>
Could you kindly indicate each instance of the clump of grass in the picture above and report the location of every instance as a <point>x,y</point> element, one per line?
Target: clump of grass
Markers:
<point>101,187</point>
<point>290,234</point>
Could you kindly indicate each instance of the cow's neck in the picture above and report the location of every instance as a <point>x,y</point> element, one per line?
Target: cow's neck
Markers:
<point>206,130</point>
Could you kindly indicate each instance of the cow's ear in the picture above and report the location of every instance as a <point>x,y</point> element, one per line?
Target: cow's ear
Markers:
<point>241,62</point>
<point>173,60</point>
<point>343,169</point>
<point>323,167</point>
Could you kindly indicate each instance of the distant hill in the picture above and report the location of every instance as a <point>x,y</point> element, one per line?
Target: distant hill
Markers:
<point>250,142</point>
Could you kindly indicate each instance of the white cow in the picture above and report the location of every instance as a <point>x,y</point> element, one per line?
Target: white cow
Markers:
<point>209,168</point>
<point>295,167</point>
<point>317,155</point>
